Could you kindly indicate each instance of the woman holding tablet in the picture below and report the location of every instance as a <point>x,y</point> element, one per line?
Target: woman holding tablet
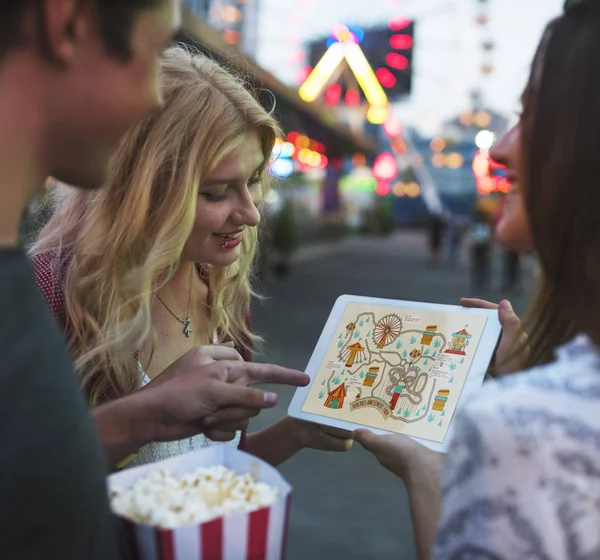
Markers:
<point>159,261</point>
<point>520,478</point>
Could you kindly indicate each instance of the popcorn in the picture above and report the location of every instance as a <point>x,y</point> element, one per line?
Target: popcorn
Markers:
<point>166,501</point>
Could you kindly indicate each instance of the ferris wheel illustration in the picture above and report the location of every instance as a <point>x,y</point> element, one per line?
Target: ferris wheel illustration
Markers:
<point>387,330</point>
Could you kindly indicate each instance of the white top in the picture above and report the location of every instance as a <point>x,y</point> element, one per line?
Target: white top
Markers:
<point>159,450</point>
<point>522,477</point>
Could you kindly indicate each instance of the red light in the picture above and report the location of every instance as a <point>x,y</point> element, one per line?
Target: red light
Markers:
<point>392,127</point>
<point>292,137</point>
<point>495,166</point>
<point>231,36</point>
<point>385,167</point>
<point>333,94</point>
<point>303,73</point>
<point>396,60</point>
<point>383,188</point>
<point>319,148</point>
<point>401,42</point>
<point>399,23</point>
<point>324,162</point>
<point>504,185</point>
<point>352,97</point>
<point>386,78</point>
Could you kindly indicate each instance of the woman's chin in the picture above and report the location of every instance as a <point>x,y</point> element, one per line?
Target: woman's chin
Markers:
<point>511,237</point>
<point>225,257</point>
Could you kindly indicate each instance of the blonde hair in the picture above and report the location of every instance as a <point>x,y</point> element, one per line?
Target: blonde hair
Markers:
<point>124,241</point>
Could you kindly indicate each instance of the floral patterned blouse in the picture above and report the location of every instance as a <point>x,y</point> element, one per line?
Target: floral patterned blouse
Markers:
<point>522,478</point>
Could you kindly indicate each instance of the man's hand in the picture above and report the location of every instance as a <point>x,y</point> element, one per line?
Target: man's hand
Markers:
<point>513,341</point>
<point>205,391</point>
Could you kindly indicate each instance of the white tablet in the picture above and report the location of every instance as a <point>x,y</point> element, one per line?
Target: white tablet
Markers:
<point>396,366</point>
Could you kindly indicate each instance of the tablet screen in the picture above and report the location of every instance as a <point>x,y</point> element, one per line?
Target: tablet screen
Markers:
<point>396,369</point>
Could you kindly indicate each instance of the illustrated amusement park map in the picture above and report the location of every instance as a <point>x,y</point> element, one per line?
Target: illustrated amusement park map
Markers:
<point>396,369</point>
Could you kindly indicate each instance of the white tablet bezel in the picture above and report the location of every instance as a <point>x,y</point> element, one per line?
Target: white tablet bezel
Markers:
<point>474,380</point>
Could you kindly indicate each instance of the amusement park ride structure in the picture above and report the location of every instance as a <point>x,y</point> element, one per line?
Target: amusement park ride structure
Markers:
<point>329,79</point>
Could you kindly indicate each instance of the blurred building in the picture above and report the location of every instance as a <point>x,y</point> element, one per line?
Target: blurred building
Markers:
<point>236,20</point>
<point>317,142</point>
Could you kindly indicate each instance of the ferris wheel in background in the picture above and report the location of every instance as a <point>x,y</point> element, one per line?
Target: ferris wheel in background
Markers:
<point>387,330</point>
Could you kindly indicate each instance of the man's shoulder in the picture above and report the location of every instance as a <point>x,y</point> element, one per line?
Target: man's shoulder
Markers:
<point>46,424</point>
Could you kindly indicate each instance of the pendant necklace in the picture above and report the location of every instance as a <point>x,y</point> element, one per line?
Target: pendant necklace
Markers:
<point>187,329</point>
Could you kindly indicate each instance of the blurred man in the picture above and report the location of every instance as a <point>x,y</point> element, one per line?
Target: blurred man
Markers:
<point>74,75</point>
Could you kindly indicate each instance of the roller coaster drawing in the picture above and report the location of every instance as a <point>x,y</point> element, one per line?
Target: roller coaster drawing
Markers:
<point>397,369</point>
<point>406,388</point>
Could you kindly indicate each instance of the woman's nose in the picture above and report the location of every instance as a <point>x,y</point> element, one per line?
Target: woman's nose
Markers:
<point>247,213</point>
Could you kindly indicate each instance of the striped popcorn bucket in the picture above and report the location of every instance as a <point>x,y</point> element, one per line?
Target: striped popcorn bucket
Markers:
<point>258,535</point>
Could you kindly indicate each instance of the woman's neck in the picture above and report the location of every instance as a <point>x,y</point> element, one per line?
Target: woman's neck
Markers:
<point>186,285</point>
<point>179,283</point>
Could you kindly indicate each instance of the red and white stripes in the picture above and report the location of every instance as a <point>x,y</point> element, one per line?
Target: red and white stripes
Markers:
<point>259,535</point>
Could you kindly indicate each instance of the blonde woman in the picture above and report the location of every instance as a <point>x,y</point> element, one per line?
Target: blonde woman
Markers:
<point>159,261</point>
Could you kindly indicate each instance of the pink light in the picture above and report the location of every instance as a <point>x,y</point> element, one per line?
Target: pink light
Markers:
<point>382,188</point>
<point>303,73</point>
<point>401,42</point>
<point>297,57</point>
<point>392,127</point>
<point>324,162</point>
<point>333,94</point>
<point>292,137</point>
<point>399,23</point>
<point>293,40</point>
<point>396,60</point>
<point>386,78</point>
<point>342,33</point>
<point>352,97</point>
<point>385,167</point>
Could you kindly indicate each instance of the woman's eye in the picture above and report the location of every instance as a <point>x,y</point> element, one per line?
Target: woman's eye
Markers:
<point>215,194</point>
<point>214,197</point>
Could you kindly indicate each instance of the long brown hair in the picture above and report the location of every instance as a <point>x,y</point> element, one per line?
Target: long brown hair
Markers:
<point>560,152</point>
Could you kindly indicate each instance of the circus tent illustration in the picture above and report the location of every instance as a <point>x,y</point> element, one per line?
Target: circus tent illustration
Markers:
<point>353,353</point>
<point>459,343</point>
<point>336,397</point>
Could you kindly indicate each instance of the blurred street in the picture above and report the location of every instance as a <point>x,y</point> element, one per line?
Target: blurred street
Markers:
<point>346,505</point>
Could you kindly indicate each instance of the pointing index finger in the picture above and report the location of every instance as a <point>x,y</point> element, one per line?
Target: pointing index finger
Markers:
<point>269,373</point>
